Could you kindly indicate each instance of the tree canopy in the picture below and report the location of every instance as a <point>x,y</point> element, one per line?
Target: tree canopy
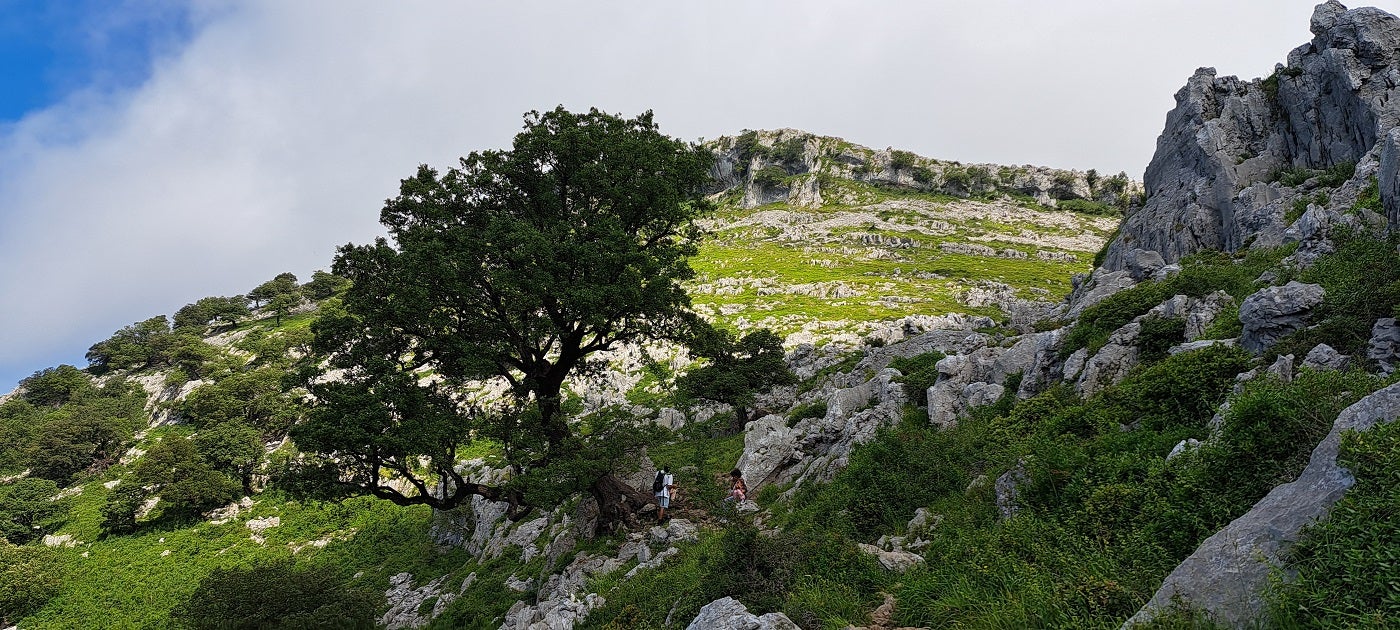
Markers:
<point>516,266</point>
<point>738,369</point>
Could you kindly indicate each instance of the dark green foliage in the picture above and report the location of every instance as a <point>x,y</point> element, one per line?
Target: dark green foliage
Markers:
<point>1348,566</point>
<point>29,577</point>
<point>747,147</point>
<point>737,369</point>
<point>770,176</point>
<point>813,409</point>
<point>225,310</point>
<point>185,482</point>
<point>143,344</point>
<point>255,398</point>
<point>55,386</point>
<point>1182,390</point>
<point>28,509</point>
<point>790,151</point>
<point>232,448</point>
<point>956,180</point>
<point>922,174</point>
<point>173,471</point>
<point>1330,177</point>
<point>1269,433</point>
<point>902,160</point>
<point>918,372</point>
<point>1370,197</point>
<point>284,284</point>
<point>324,285</point>
<point>1157,335</point>
<point>1086,206</point>
<point>520,265</point>
<point>85,434</point>
<point>1201,273</point>
<point>1099,321</point>
<point>277,594</point>
<point>1362,283</point>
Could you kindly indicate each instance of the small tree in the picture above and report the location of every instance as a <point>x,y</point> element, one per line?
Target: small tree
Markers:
<point>140,345</point>
<point>228,310</point>
<point>737,369</point>
<point>323,285</point>
<point>284,283</point>
<point>52,387</point>
<point>233,448</point>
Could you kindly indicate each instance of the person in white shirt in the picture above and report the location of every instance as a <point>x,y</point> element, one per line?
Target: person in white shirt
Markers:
<point>664,486</point>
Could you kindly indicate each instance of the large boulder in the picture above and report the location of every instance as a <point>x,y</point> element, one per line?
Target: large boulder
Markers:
<point>729,614</point>
<point>1227,576</point>
<point>1273,313</point>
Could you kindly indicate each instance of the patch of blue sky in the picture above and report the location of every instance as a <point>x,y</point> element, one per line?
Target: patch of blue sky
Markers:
<point>50,49</point>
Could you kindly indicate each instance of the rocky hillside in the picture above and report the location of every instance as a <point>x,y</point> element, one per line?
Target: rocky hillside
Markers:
<point>995,422</point>
<point>820,239</point>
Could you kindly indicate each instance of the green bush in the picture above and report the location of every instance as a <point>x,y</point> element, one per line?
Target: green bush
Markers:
<point>277,594</point>
<point>1348,565</point>
<point>812,409</point>
<point>1158,335</point>
<point>1362,284</point>
<point>902,160</point>
<point>29,577</point>
<point>919,373</point>
<point>770,176</point>
<point>1086,206</point>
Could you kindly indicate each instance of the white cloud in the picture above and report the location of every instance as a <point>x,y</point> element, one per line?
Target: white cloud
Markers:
<point>275,134</point>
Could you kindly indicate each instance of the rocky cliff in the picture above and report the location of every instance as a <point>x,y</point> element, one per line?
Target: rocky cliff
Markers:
<point>1219,179</point>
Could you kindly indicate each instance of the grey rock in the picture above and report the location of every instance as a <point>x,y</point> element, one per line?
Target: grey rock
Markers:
<point>1183,446</point>
<point>1045,368</point>
<point>1226,576</point>
<point>1192,346</point>
<point>405,601</point>
<point>1008,489</point>
<point>1273,313</point>
<point>1333,103</point>
<point>897,560</point>
<point>729,614</point>
<point>1384,345</point>
<point>1112,362</point>
<point>1074,365</point>
<point>1100,285</point>
<point>1142,264</point>
<point>1325,357</point>
<point>1282,368</point>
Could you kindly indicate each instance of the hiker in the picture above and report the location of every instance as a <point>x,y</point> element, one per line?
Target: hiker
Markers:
<point>738,490</point>
<point>664,486</point>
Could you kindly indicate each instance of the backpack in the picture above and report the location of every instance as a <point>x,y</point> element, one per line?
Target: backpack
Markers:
<point>659,482</point>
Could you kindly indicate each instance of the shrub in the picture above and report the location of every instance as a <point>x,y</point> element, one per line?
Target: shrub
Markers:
<point>1085,206</point>
<point>919,373</point>
<point>813,409</point>
<point>790,151</point>
<point>770,176</point>
<point>277,594</point>
<point>1346,565</point>
<point>29,577</point>
<point>1158,335</point>
<point>1362,283</point>
<point>902,160</point>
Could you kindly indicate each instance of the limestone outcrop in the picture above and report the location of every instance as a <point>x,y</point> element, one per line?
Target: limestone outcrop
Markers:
<point>729,614</point>
<point>1227,575</point>
<point>1212,182</point>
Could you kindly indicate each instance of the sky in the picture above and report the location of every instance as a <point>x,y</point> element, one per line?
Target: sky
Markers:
<point>153,152</point>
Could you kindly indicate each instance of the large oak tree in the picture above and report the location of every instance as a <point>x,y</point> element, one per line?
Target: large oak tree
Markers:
<point>517,267</point>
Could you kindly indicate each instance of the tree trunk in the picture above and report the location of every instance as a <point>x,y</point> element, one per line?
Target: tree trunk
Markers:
<point>618,503</point>
<point>741,418</point>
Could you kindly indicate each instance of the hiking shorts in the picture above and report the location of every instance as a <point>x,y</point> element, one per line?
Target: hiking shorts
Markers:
<point>663,501</point>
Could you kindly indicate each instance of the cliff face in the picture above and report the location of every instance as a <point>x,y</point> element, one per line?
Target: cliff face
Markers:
<point>796,167</point>
<point>1333,103</point>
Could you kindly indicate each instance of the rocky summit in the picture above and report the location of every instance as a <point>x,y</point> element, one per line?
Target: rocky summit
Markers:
<point>856,388</point>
